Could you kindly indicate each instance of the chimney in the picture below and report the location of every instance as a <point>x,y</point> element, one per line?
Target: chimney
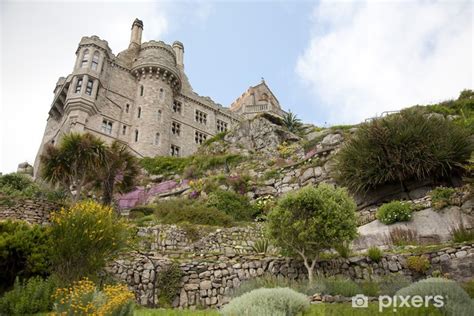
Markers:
<point>179,51</point>
<point>137,28</point>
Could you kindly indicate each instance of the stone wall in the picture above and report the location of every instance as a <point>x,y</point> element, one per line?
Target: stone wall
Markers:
<point>172,238</point>
<point>208,279</point>
<point>34,211</point>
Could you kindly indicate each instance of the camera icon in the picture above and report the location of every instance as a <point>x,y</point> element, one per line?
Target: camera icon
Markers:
<point>360,301</point>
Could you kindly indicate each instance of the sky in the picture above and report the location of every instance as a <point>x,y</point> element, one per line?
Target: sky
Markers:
<point>330,62</point>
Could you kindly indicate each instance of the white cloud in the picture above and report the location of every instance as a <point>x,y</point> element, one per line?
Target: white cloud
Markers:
<point>368,57</point>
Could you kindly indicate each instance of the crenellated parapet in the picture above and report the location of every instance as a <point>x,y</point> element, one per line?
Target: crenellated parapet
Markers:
<point>95,41</point>
<point>158,72</point>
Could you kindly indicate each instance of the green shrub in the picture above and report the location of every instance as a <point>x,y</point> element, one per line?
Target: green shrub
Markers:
<point>24,252</point>
<point>16,185</point>
<point>271,281</point>
<point>275,302</point>
<point>469,287</point>
<point>441,197</point>
<point>145,220</point>
<point>192,231</point>
<point>342,286</point>
<point>30,297</point>
<point>375,254</point>
<point>310,220</point>
<point>419,264</point>
<point>169,284</point>
<point>239,183</point>
<point>456,301</point>
<point>84,238</point>
<point>343,249</point>
<point>393,212</point>
<point>370,288</point>
<point>402,147</point>
<point>175,211</point>
<point>391,283</point>
<point>216,138</point>
<point>164,165</point>
<point>233,204</point>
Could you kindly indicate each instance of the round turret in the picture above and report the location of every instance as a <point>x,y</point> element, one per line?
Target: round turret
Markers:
<point>157,60</point>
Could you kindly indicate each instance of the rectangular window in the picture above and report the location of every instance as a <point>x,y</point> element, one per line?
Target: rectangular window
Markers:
<point>201,117</point>
<point>174,151</point>
<point>90,83</point>
<point>78,85</point>
<point>124,130</point>
<point>221,126</point>
<point>157,138</point>
<point>199,137</point>
<point>107,127</point>
<point>176,128</point>
<point>177,107</point>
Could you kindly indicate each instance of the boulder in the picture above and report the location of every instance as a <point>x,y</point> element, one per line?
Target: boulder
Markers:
<point>332,139</point>
<point>428,224</point>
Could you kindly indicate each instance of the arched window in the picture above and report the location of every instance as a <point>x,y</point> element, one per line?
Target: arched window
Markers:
<point>85,59</point>
<point>159,115</point>
<point>127,108</point>
<point>136,135</point>
<point>141,90</point>
<point>95,60</point>
<point>162,93</point>
<point>157,138</point>
<point>139,114</point>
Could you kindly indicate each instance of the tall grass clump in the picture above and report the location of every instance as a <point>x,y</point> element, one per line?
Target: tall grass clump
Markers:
<point>268,302</point>
<point>402,147</point>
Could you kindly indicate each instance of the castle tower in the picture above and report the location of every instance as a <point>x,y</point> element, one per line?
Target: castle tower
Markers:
<point>136,36</point>
<point>156,124</point>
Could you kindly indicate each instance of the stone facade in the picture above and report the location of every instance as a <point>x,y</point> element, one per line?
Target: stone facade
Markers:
<point>208,280</point>
<point>141,97</point>
<point>33,211</point>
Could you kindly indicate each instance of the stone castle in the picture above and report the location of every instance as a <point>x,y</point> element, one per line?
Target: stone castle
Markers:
<point>143,98</point>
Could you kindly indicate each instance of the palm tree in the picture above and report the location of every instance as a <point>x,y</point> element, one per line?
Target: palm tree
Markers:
<point>72,163</point>
<point>292,122</point>
<point>119,170</point>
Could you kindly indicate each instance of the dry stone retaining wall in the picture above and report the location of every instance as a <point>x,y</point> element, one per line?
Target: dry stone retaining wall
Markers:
<point>172,238</point>
<point>34,211</point>
<point>208,279</point>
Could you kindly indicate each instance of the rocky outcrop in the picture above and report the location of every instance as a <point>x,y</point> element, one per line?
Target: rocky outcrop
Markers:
<point>260,134</point>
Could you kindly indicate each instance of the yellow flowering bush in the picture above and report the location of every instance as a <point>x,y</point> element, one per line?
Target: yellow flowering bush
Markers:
<point>84,237</point>
<point>83,298</point>
<point>286,150</point>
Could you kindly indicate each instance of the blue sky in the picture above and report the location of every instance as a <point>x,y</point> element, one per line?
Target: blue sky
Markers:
<point>330,62</point>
